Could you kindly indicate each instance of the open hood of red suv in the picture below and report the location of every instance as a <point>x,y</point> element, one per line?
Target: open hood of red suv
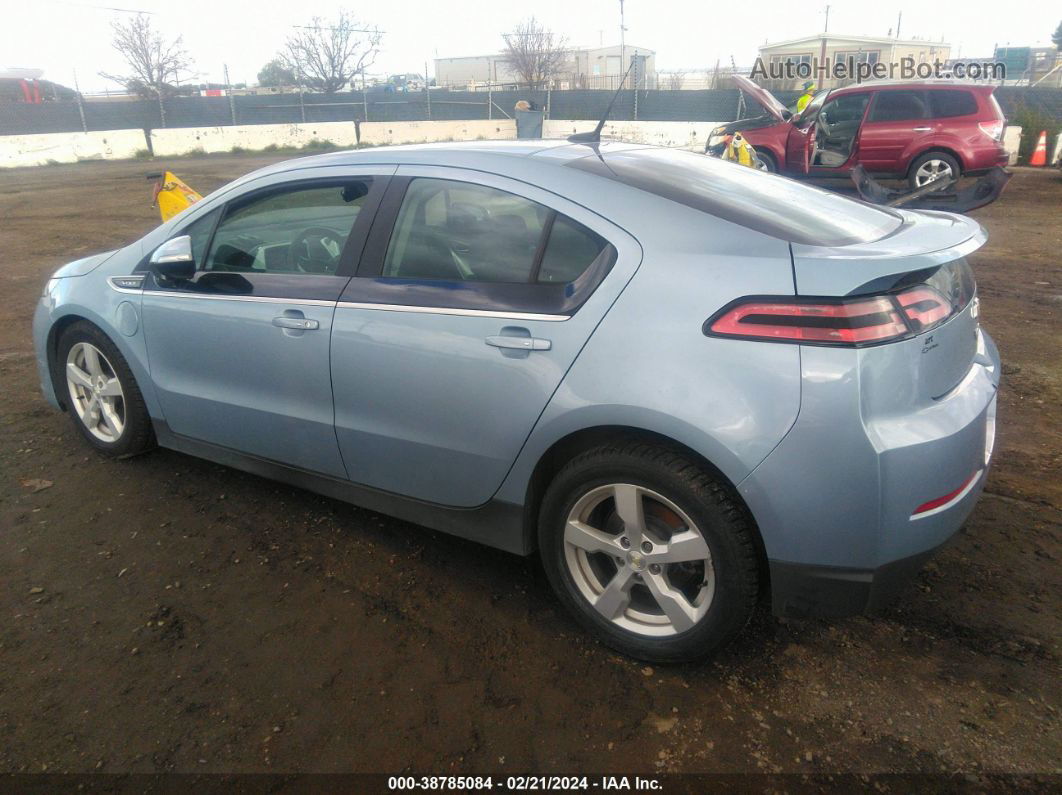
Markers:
<point>763,97</point>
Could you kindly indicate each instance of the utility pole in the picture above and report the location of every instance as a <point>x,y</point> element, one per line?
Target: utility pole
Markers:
<point>623,44</point>
<point>232,99</point>
<point>427,89</point>
<point>826,27</point>
<point>80,107</point>
<point>899,19</point>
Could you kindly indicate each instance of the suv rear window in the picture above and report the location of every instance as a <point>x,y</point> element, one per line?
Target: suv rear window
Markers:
<point>945,103</point>
<point>898,106</point>
<point>776,206</point>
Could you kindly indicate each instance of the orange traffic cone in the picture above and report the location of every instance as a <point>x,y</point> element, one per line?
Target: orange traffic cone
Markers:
<point>1039,155</point>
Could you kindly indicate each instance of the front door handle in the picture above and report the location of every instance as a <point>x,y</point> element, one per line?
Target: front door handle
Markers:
<point>297,323</point>
<point>519,343</point>
<point>921,129</point>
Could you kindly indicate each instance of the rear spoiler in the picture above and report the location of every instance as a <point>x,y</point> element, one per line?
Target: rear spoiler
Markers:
<point>939,194</point>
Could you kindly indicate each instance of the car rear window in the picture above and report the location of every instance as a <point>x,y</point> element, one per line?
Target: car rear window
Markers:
<point>944,103</point>
<point>767,203</point>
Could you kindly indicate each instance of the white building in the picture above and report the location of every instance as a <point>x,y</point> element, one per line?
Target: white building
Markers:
<point>585,67</point>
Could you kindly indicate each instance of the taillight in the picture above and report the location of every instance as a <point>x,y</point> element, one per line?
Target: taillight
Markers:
<point>924,307</point>
<point>993,129</point>
<point>853,322</point>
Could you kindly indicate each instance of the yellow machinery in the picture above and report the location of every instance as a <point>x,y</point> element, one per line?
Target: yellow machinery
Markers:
<point>739,151</point>
<point>171,195</point>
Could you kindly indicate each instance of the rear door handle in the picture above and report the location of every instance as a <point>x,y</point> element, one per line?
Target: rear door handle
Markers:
<point>299,323</point>
<point>519,343</point>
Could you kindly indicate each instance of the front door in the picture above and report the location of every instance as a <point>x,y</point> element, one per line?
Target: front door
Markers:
<point>240,354</point>
<point>474,298</point>
<point>837,132</point>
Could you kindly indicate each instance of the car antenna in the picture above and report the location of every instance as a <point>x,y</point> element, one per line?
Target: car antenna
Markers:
<point>594,136</point>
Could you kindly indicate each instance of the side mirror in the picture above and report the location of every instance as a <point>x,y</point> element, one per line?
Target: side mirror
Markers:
<point>174,259</point>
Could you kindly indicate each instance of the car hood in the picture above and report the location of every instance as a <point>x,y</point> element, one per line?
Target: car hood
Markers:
<point>764,98</point>
<point>80,267</point>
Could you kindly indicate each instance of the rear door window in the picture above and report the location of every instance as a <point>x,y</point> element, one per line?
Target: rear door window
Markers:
<point>459,231</point>
<point>898,106</point>
<point>945,103</point>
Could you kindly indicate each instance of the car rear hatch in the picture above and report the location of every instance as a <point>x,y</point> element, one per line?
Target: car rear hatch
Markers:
<point>920,268</point>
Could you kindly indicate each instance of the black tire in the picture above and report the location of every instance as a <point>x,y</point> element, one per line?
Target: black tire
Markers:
<point>724,523</point>
<point>944,157</point>
<point>137,435</point>
<point>768,161</point>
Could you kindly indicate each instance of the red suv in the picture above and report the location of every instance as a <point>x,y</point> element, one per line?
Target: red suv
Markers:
<point>915,130</point>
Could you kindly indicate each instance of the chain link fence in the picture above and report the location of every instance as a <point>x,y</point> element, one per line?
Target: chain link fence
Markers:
<point>83,114</point>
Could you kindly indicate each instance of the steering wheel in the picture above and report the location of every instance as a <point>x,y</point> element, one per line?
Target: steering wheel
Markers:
<point>315,250</point>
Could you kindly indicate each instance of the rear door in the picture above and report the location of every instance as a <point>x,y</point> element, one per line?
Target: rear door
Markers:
<point>897,119</point>
<point>474,297</point>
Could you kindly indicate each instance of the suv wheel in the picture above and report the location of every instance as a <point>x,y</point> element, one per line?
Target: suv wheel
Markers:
<point>649,552</point>
<point>930,166</point>
<point>105,403</point>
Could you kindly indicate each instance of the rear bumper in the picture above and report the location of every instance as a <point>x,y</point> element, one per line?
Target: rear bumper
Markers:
<point>850,507</point>
<point>802,590</point>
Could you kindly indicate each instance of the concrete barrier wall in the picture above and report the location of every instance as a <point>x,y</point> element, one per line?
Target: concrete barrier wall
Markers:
<point>39,150</point>
<point>675,134</point>
<point>180,141</point>
<point>384,133</point>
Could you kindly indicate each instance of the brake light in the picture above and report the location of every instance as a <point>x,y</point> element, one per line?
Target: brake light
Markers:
<point>993,129</point>
<point>924,307</point>
<point>867,320</point>
<point>853,322</point>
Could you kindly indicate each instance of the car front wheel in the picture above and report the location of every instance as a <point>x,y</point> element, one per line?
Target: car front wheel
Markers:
<point>649,551</point>
<point>104,400</point>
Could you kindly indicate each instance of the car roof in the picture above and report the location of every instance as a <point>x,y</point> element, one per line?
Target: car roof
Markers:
<point>641,176</point>
<point>874,85</point>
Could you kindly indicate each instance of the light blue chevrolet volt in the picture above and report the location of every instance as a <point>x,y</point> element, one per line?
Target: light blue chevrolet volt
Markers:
<point>686,384</point>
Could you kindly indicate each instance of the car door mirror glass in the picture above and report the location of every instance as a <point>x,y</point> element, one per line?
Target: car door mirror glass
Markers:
<point>174,259</point>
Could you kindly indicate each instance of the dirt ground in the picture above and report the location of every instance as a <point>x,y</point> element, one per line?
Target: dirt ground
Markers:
<point>167,614</point>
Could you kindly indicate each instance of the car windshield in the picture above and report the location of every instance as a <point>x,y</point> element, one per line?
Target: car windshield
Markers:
<point>767,203</point>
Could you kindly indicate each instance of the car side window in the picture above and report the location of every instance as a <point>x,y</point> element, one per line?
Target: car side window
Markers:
<point>460,231</point>
<point>846,108</point>
<point>898,106</point>
<point>302,229</point>
<point>199,231</point>
<point>946,103</point>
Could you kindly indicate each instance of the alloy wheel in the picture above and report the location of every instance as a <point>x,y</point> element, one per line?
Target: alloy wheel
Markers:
<point>95,392</point>
<point>932,169</point>
<point>639,560</point>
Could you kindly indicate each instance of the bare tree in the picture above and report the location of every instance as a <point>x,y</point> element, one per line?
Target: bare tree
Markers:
<point>327,56</point>
<point>535,53</point>
<point>675,81</point>
<point>154,65</point>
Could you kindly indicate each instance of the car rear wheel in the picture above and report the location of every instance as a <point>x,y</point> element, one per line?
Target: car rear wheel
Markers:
<point>104,401</point>
<point>649,552</point>
<point>933,165</point>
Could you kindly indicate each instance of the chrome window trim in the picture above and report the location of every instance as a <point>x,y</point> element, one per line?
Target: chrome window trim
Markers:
<point>425,310</point>
<point>257,299</point>
<point>442,310</point>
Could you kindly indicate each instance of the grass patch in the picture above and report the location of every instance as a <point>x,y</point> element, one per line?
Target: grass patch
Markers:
<point>142,154</point>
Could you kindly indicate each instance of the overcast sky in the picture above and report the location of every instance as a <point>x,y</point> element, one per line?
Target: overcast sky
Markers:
<point>61,36</point>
